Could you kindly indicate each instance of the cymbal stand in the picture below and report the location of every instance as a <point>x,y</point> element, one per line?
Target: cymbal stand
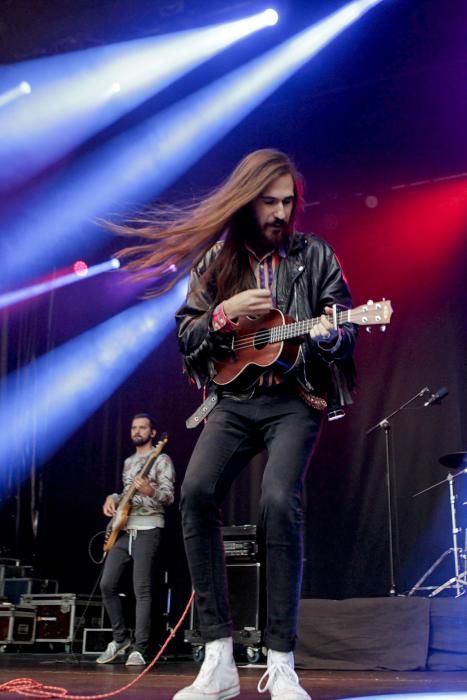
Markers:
<point>385,425</point>
<point>458,581</point>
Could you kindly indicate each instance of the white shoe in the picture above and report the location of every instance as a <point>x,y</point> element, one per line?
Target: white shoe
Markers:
<point>218,676</point>
<point>280,678</point>
<point>115,650</point>
<point>135,659</point>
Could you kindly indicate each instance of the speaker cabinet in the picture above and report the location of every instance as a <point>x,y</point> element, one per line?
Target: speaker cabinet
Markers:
<point>246,603</point>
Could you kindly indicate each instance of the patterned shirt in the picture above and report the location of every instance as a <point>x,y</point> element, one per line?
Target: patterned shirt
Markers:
<point>148,511</point>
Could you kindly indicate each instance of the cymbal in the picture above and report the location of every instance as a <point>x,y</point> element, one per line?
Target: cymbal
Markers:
<point>455,460</point>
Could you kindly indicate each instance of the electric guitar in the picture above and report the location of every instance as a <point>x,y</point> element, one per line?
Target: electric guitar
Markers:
<point>120,518</point>
<point>274,340</point>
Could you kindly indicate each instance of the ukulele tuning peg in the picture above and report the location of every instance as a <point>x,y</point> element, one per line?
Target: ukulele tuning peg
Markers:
<point>382,329</point>
<point>368,329</point>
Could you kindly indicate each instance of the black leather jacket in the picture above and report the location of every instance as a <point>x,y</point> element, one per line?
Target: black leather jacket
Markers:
<point>308,279</point>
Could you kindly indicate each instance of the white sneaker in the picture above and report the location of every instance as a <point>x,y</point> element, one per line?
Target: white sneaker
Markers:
<point>115,650</point>
<point>280,678</point>
<point>218,676</point>
<point>135,659</point>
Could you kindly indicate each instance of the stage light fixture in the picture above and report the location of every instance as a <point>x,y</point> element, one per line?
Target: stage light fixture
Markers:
<point>271,17</point>
<point>21,90</point>
<point>80,268</point>
<point>80,271</point>
<point>25,87</point>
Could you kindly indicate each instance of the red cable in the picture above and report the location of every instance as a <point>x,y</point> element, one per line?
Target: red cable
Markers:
<point>34,689</point>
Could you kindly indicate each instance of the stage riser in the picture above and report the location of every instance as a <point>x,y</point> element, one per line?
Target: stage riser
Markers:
<point>387,634</point>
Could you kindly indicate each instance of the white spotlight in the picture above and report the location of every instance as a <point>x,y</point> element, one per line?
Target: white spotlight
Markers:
<point>114,88</point>
<point>115,262</point>
<point>25,87</point>
<point>270,16</point>
<point>15,93</point>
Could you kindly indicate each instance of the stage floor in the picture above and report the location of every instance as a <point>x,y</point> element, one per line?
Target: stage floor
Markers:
<point>81,675</point>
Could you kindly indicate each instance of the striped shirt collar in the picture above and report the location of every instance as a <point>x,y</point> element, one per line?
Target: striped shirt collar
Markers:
<point>280,251</point>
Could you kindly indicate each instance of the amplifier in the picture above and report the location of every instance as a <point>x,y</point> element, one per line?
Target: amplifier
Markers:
<point>246,603</point>
<point>240,543</point>
<point>61,617</point>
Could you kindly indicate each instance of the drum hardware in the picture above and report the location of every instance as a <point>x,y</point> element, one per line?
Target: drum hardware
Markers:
<point>453,461</point>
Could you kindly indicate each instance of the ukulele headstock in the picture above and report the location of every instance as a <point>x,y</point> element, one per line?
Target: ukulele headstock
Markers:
<point>373,313</point>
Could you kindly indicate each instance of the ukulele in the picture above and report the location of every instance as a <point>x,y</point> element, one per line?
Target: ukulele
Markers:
<point>120,518</point>
<point>273,340</point>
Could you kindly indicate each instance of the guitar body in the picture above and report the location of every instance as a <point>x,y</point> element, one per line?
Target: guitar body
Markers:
<point>117,523</point>
<point>250,361</point>
<point>122,513</point>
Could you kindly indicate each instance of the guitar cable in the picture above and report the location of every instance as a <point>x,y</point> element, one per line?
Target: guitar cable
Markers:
<point>90,543</point>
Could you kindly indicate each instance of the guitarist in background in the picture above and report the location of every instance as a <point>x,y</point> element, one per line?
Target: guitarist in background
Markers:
<point>137,543</point>
<point>247,258</point>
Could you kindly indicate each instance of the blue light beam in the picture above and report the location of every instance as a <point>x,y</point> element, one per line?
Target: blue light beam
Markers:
<point>44,402</point>
<point>143,161</point>
<point>34,290</point>
<point>15,93</point>
<point>80,93</point>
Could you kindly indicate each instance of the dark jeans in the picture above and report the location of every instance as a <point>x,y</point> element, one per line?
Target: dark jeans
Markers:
<point>143,553</point>
<point>235,431</point>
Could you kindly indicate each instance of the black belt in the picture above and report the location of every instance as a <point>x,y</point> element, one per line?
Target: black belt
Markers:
<point>213,398</point>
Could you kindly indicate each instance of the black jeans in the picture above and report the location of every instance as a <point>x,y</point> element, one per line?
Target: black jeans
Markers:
<point>143,553</point>
<point>235,431</point>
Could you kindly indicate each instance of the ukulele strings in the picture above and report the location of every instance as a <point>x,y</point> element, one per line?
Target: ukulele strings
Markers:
<point>265,335</point>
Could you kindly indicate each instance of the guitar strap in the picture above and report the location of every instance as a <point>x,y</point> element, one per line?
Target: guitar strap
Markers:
<point>202,411</point>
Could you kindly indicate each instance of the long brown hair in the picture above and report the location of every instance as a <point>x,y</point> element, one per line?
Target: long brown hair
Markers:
<point>180,237</point>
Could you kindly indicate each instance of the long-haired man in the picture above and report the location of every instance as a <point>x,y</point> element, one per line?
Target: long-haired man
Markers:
<point>246,258</point>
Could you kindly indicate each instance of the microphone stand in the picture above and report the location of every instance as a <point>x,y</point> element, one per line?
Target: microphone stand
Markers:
<point>385,425</point>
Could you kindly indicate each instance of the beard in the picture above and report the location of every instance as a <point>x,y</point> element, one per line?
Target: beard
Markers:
<point>269,236</point>
<point>140,441</point>
<point>274,235</point>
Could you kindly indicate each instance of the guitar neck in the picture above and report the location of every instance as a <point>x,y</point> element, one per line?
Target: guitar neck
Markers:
<point>370,314</point>
<point>144,471</point>
<point>293,330</point>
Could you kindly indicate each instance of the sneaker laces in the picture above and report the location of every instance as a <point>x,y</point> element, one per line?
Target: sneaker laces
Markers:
<point>280,673</point>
